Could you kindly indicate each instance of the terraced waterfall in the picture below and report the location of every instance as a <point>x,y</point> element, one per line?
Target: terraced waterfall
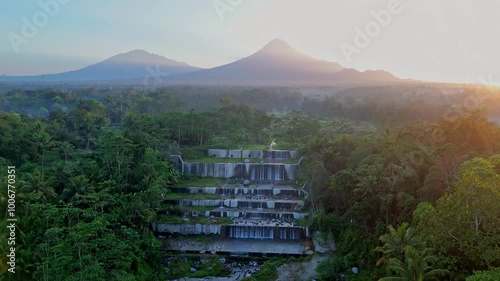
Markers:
<point>256,212</point>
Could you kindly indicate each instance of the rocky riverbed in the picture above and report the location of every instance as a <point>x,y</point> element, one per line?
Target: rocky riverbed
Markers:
<point>239,270</point>
<point>299,271</point>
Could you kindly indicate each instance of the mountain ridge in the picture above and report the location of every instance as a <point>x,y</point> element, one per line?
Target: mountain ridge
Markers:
<point>276,63</point>
<point>123,66</point>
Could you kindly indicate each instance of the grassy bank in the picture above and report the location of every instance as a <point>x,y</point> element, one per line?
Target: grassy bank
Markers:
<point>200,182</point>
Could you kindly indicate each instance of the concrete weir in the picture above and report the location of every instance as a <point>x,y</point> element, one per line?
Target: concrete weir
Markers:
<point>269,168</point>
<point>250,171</point>
<point>259,204</point>
<point>254,189</point>
<point>240,213</point>
<point>188,229</point>
<point>241,231</point>
<point>237,247</point>
<point>258,216</point>
<point>267,154</point>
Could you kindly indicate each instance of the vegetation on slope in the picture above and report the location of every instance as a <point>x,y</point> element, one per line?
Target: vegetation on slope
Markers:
<point>92,175</point>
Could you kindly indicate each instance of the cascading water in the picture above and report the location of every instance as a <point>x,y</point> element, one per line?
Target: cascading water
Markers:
<point>223,212</point>
<point>250,232</point>
<point>215,170</point>
<point>280,155</point>
<point>187,229</point>
<point>245,191</point>
<point>265,208</point>
<point>291,233</point>
<point>252,171</point>
<point>267,171</point>
<point>189,203</point>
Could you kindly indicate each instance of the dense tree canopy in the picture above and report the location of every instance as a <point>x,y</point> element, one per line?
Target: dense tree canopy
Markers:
<point>92,167</point>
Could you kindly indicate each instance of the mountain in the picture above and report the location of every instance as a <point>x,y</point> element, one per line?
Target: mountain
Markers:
<point>277,63</point>
<point>137,64</point>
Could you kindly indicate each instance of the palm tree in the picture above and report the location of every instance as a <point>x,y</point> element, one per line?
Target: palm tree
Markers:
<point>415,267</point>
<point>369,179</point>
<point>66,149</point>
<point>43,141</point>
<point>38,183</point>
<point>397,241</point>
<point>78,185</point>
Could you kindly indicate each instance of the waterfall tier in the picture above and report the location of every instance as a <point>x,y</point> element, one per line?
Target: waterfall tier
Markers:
<point>234,231</point>
<point>187,229</point>
<point>250,171</point>
<point>230,190</point>
<point>239,213</point>
<point>292,205</point>
<point>280,155</point>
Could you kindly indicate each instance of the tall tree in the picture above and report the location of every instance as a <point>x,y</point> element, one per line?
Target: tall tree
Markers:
<point>398,241</point>
<point>36,182</point>
<point>416,266</point>
<point>466,223</point>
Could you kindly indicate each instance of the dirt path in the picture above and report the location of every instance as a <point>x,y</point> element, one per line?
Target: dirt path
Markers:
<point>300,271</point>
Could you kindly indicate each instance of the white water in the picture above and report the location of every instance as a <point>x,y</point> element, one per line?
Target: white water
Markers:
<point>251,232</point>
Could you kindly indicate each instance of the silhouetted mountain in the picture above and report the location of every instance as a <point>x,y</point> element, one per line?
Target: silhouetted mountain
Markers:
<point>132,65</point>
<point>277,63</point>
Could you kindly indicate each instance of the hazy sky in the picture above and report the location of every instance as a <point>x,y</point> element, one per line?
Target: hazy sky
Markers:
<point>452,40</point>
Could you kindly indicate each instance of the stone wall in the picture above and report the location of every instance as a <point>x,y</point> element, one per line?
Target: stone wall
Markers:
<point>234,231</point>
<point>187,229</point>
<point>262,154</point>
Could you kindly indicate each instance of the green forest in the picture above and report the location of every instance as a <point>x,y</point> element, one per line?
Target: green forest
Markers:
<point>405,191</point>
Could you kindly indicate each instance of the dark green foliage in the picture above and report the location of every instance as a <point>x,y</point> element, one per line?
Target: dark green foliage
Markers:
<point>397,241</point>
<point>93,167</point>
<point>488,275</point>
<point>268,271</point>
<point>417,265</point>
<point>332,269</point>
<point>359,186</point>
<point>180,266</point>
<point>86,199</point>
<point>464,226</point>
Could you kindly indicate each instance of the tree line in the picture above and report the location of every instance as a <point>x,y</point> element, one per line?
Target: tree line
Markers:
<point>405,203</point>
